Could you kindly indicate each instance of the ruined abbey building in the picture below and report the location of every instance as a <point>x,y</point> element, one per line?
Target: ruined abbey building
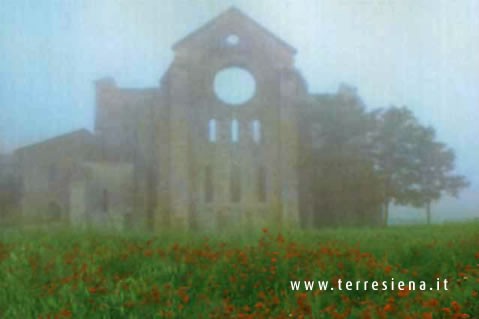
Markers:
<point>178,154</point>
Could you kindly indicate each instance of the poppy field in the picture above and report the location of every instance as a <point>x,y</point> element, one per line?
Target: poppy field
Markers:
<point>88,274</point>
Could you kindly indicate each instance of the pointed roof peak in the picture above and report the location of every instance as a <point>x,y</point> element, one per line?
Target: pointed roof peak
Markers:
<point>233,8</point>
<point>232,11</point>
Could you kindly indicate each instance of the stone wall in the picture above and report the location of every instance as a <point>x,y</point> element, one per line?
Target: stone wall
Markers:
<point>46,170</point>
<point>103,195</point>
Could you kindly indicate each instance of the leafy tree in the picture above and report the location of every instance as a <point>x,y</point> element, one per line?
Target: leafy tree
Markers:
<point>361,162</point>
<point>345,187</point>
<point>434,172</point>
<point>414,169</point>
<point>393,153</point>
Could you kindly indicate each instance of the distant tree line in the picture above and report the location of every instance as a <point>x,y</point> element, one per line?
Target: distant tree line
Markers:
<point>364,161</point>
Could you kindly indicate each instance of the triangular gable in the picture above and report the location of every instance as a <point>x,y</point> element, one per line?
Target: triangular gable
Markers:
<point>82,135</point>
<point>239,18</point>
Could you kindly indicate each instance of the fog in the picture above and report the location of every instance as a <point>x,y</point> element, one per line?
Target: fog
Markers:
<point>424,55</point>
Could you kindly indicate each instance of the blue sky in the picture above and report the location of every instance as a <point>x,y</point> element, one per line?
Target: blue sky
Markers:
<point>422,54</point>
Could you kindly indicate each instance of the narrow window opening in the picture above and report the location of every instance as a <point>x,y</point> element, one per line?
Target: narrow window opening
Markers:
<point>105,201</point>
<point>261,186</point>
<point>256,131</point>
<point>208,184</point>
<point>235,186</point>
<point>212,131</point>
<point>234,131</point>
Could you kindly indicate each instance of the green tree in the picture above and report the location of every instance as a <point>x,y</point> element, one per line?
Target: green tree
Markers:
<point>394,146</point>
<point>362,162</point>
<point>434,172</point>
<point>413,167</point>
<point>345,186</point>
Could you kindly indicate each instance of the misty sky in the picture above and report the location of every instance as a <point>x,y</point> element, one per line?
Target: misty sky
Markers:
<point>422,54</point>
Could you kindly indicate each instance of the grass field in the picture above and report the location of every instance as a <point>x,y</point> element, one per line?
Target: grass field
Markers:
<point>73,274</point>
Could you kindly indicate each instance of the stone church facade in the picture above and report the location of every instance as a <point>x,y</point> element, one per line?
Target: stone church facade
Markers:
<point>177,154</point>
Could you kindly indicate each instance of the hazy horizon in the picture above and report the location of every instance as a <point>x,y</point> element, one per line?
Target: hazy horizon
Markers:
<point>423,55</point>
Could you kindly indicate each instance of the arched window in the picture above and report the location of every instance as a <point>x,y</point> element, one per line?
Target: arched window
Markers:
<point>235,131</point>
<point>212,131</point>
<point>256,131</point>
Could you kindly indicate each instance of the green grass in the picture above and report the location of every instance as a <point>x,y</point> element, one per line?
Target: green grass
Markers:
<point>82,274</point>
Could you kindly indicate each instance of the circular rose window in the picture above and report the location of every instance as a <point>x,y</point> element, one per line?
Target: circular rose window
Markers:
<point>234,85</point>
